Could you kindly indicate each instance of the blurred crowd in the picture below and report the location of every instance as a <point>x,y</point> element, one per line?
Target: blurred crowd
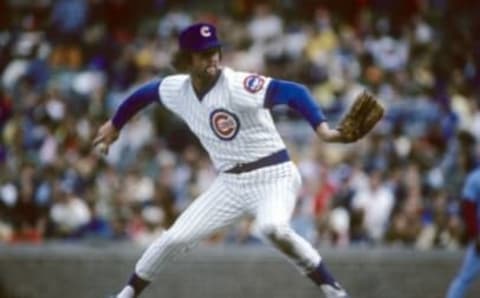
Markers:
<point>66,65</point>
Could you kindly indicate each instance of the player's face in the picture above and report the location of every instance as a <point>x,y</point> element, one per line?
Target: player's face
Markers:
<point>206,65</point>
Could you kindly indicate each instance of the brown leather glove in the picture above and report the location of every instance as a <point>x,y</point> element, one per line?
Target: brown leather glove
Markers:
<point>362,116</point>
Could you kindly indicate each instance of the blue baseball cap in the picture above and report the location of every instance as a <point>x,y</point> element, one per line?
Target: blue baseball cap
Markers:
<point>199,37</point>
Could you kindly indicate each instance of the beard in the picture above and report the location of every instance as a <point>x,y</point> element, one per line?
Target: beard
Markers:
<point>208,73</point>
<point>211,71</point>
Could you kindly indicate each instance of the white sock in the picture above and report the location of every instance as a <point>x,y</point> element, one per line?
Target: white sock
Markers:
<point>127,292</point>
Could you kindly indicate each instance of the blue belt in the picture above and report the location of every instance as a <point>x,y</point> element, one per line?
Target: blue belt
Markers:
<point>273,159</point>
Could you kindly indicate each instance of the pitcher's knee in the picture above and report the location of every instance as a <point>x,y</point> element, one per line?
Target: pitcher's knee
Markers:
<point>275,232</point>
<point>172,240</point>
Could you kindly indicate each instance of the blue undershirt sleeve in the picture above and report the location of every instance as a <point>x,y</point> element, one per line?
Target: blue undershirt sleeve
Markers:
<point>139,99</point>
<point>297,97</point>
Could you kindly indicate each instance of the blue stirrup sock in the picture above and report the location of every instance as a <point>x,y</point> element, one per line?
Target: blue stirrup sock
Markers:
<point>322,276</point>
<point>137,283</point>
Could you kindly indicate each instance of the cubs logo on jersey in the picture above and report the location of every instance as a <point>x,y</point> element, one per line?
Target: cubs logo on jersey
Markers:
<point>253,83</point>
<point>230,118</point>
<point>225,125</point>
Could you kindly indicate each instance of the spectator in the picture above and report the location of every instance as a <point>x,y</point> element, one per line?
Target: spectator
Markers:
<point>29,217</point>
<point>69,212</point>
<point>406,222</point>
<point>373,205</point>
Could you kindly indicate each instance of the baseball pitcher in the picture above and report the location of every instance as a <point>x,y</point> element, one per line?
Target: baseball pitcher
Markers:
<point>229,111</point>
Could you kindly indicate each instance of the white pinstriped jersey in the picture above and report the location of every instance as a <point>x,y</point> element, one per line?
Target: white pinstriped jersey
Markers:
<point>230,120</point>
<point>234,127</point>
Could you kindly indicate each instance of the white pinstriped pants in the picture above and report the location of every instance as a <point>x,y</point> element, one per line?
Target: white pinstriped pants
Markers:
<point>269,194</point>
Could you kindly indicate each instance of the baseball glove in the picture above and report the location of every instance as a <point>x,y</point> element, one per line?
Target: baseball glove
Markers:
<point>365,112</point>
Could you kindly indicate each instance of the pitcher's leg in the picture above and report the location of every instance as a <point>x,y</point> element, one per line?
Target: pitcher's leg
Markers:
<point>274,205</point>
<point>293,246</point>
<point>213,210</point>
<point>276,202</point>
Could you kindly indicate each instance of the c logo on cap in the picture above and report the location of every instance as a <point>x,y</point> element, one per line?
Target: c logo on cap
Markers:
<point>225,125</point>
<point>205,31</point>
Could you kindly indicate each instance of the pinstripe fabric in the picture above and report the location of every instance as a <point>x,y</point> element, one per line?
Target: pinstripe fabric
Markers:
<point>268,194</point>
<point>233,126</point>
<point>257,136</point>
<point>217,208</point>
<point>272,203</point>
